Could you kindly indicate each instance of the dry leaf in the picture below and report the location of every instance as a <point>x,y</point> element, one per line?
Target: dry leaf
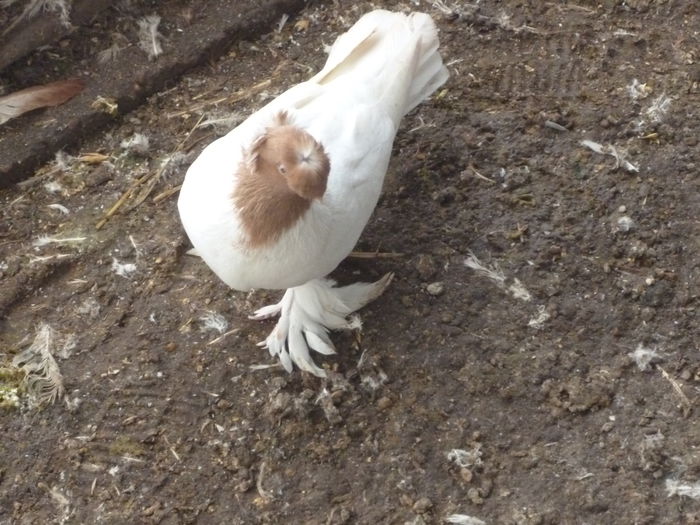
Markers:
<point>53,94</point>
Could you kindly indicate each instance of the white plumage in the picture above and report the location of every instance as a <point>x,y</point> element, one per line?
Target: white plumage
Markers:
<point>349,112</point>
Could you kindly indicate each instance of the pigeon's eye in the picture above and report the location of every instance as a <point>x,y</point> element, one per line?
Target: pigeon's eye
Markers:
<point>282,169</point>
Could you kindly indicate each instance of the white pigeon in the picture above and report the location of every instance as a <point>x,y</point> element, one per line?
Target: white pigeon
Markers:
<point>282,199</point>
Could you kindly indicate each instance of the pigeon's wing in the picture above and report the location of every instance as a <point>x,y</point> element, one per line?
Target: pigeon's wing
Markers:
<point>358,142</point>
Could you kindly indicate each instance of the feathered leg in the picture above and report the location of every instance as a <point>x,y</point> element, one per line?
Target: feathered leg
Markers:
<point>308,312</point>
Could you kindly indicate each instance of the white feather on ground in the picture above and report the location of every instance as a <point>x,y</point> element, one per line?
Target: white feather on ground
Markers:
<point>658,109</point>
<point>465,458</point>
<point>59,207</point>
<point>609,149</point>
<point>62,7</point>
<point>149,36</point>
<point>689,489</point>
<point>43,381</point>
<point>645,357</point>
<point>138,143</point>
<point>123,269</point>
<point>496,275</point>
<point>463,519</point>
<point>214,321</point>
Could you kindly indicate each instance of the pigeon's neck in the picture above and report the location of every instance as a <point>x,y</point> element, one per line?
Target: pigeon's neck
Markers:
<point>266,204</point>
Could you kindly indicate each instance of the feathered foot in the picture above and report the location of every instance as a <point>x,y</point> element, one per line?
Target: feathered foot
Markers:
<point>308,312</point>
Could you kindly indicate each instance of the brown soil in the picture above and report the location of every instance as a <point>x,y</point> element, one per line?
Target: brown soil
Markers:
<point>164,421</point>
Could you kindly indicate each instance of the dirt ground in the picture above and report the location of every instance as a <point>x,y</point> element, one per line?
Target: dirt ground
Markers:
<point>557,385</point>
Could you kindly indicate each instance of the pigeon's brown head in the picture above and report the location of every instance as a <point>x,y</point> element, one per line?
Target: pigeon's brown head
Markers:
<point>283,172</point>
<point>291,154</point>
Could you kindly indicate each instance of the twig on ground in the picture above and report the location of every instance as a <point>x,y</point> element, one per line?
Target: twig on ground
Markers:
<point>685,402</point>
<point>553,125</point>
<point>223,336</point>
<point>120,202</point>
<point>151,180</point>
<point>480,176</point>
<point>265,367</point>
<point>375,255</point>
<point>167,193</point>
<point>229,99</point>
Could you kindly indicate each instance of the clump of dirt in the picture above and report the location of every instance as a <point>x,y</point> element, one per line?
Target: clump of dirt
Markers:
<point>512,394</point>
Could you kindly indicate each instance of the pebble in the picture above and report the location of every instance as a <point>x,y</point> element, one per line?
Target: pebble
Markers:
<point>625,223</point>
<point>436,288</point>
<point>474,496</point>
<point>422,505</point>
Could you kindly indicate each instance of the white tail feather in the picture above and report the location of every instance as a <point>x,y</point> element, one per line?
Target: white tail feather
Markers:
<point>394,55</point>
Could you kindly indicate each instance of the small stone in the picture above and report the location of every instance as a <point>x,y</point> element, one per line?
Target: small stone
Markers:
<point>466,475</point>
<point>475,497</point>
<point>436,288</point>
<point>625,223</point>
<point>422,505</point>
<point>447,317</point>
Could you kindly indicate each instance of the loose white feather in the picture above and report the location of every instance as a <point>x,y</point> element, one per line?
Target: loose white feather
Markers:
<point>33,7</point>
<point>44,381</point>
<point>149,36</point>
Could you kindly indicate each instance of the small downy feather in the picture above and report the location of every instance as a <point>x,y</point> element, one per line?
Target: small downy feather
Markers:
<point>53,94</point>
<point>150,37</point>
<point>33,7</point>
<point>43,380</point>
